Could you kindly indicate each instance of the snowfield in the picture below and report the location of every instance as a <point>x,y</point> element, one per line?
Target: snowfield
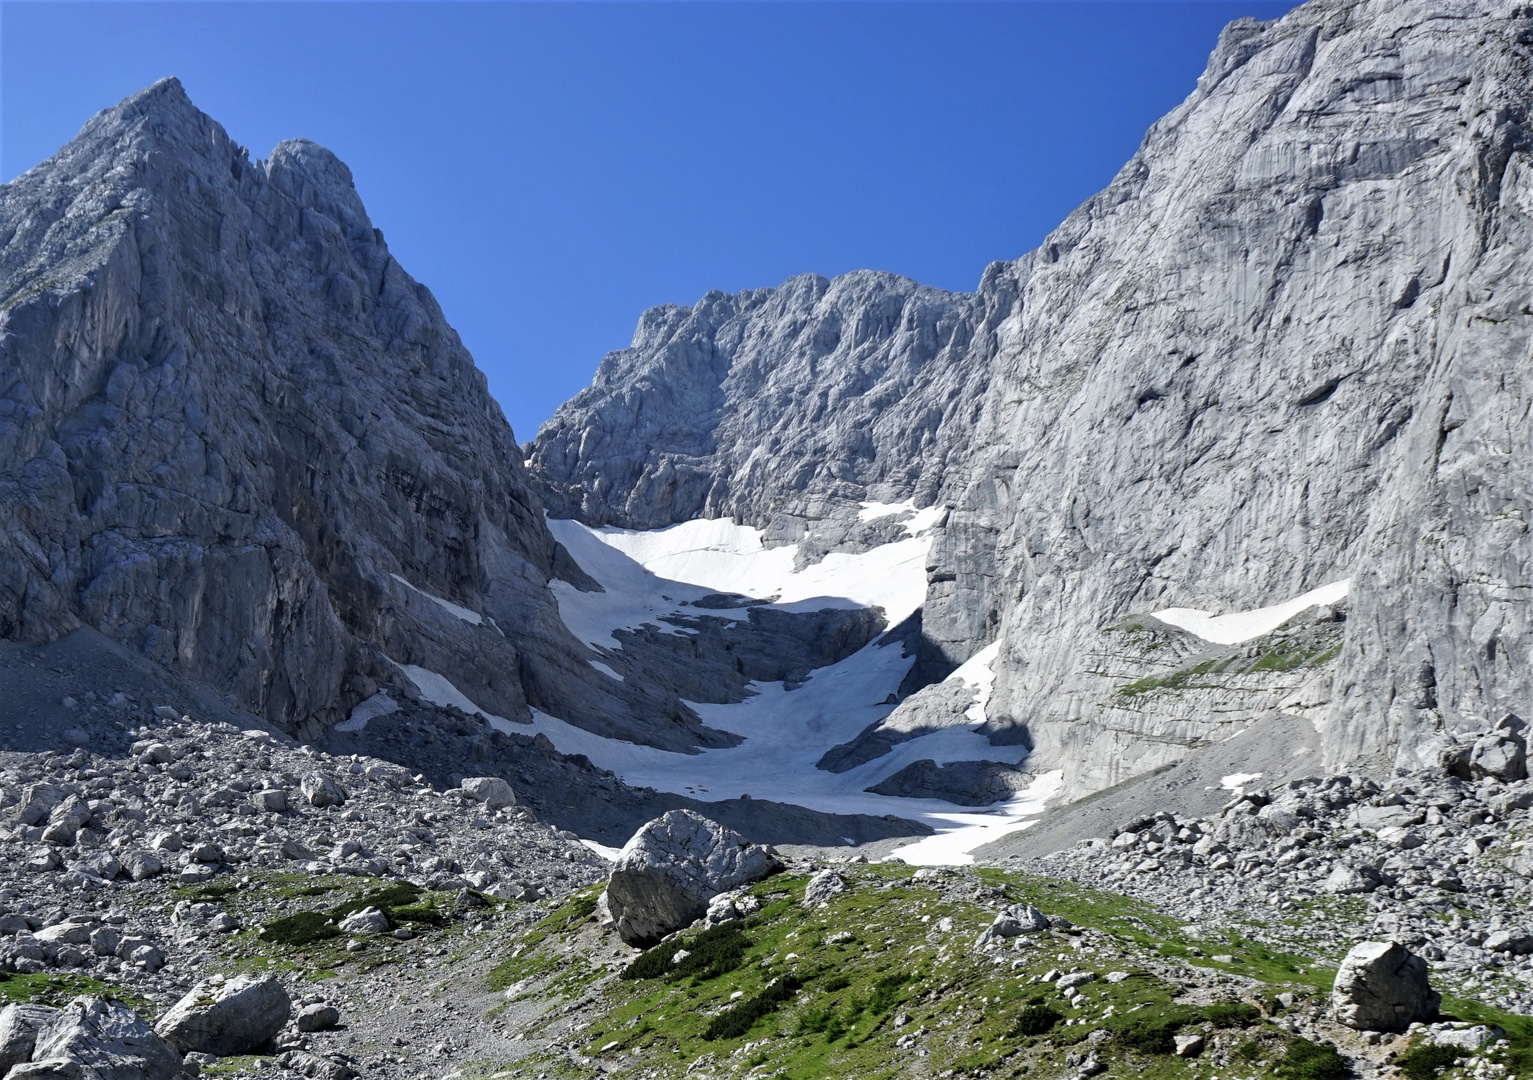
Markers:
<point>650,574</point>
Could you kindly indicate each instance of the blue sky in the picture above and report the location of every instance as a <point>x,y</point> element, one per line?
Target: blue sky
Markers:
<point>550,170</point>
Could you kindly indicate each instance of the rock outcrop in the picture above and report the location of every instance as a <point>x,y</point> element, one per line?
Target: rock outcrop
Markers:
<point>672,867</point>
<point>778,407</point>
<point>235,435</point>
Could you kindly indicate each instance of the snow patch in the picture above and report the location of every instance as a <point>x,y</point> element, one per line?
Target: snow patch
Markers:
<point>457,609</point>
<point>609,853</point>
<point>380,704</point>
<point>918,523</point>
<point>1237,781</point>
<point>959,834</point>
<point>1239,626</point>
<point>979,672</point>
<point>440,691</point>
<point>605,670</point>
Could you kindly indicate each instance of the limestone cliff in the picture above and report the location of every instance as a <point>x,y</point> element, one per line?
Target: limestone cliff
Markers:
<point>1288,345</point>
<point>236,435</point>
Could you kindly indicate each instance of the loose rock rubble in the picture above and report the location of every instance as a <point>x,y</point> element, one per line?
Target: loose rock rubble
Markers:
<point>1432,858</point>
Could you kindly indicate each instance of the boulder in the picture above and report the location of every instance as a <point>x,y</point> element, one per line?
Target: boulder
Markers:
<point>19,1025</point>
<point>227,1017</point>
<point>1383,986</point>
<point>369,920</point>
<point>490,790</point>
<point>823,887</point>
<point>665,876</point>
<point>318,1018</point>
<point>1346,879</point>
<point>107,1040</point>
<point>321,791</point>
<point>1501,754</point>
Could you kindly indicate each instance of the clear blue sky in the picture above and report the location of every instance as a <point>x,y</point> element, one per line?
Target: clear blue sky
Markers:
<point>550,170</point>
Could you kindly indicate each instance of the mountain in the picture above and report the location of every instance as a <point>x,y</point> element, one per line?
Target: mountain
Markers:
<point>1282,355</point>
<point>775,407</point>
<point>236,436</point>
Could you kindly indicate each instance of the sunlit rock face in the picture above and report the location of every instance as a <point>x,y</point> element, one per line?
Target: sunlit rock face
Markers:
<point>1285,348</point>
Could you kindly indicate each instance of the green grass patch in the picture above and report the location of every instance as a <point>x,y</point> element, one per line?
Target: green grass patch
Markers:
<point>304,928</point>
<point>52,988</point>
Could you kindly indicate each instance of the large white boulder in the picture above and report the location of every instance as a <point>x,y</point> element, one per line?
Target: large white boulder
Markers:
<point>227,1017</point>
<point>665,876</point>
<point>107,1040</point>
<point>490,790</point>
<point>1383,986</point>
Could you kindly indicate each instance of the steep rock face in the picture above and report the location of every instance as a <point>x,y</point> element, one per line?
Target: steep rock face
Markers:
<point>1286,346</point>
<point>236,435</point>
<point>778,407</point>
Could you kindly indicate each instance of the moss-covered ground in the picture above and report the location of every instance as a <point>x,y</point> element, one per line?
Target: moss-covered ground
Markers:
<point>887,981</point>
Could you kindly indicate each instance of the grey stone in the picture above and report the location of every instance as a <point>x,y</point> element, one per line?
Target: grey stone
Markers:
<point>108,1040</point>
<point>227,1017</point>
<point>670,869</point>
<point>1383,986</point>
<point>19,1025</point>
<point>823,888</point>
<point>318,1017</point>
<point>369,920</point>
<point>1500,755</point>
<point>321,791</point>
<point>494,792</point>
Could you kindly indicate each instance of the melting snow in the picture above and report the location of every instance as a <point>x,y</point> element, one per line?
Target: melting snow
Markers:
<point>979,672</point>
<point>1239,626</point>
<point>380,704</point>
<point>650,574</point>
<point>457,609</point>
<point>1237,781</point>
<point>605,670</point>
<point>919,522</point>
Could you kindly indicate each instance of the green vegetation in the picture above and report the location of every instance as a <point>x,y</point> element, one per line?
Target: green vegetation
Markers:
<point>398,902</point>
<point>708,955</point>
<point>54,988</point>
<point>736,1021</point>
<point>1036,1020</point>
<point>1424,1061</point>
<point>1306,1060</point>
<point>1284,655</point>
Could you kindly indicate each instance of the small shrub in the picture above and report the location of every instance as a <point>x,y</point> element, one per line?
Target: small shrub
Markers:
<point>1231,1014</point>
<point>886,992</point>
<point>1035,1020</point>
<point>732,1023</point>
<point>384,899</point>
<point>1251,1050</point>
<point>303,928</point>
<point>651,963</point>
<point>815,1021</point>
<point>709,954</point>
<point>1305,1060</point>
<point>836,982</point>
<point>1425,1060</point>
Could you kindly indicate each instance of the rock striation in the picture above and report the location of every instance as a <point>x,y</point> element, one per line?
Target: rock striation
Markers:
<point>665,875</point>
<point>235,435</point>
<point>778,407</point>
